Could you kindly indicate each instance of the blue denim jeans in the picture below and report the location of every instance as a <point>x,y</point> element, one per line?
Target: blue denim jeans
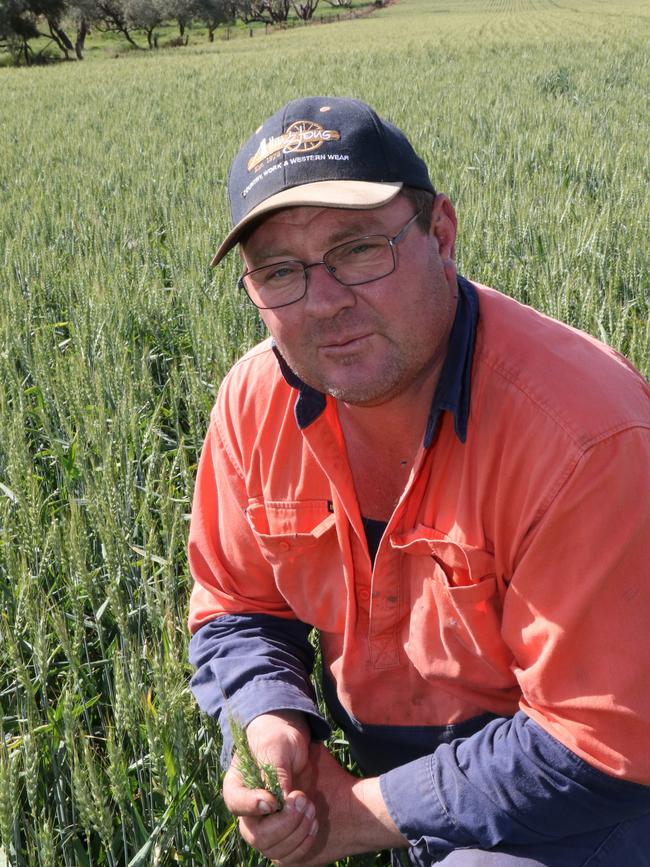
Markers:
<point>624,845</point>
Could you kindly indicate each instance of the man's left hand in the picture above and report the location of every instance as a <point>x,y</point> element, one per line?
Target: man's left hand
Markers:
<point>351,813</point>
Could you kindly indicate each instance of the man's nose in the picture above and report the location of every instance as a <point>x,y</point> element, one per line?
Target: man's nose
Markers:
<point>325,295</point>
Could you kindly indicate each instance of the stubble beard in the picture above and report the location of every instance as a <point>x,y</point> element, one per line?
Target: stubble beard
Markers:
<point>389,380</point>
<point>371,393</point>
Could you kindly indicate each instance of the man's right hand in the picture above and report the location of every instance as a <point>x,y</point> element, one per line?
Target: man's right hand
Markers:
<point>281,738</point>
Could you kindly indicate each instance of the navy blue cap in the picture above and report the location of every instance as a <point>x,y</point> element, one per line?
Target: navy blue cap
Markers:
<point>320,151</point>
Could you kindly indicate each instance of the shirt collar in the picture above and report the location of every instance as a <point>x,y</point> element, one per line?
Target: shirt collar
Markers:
<point>454,386</point>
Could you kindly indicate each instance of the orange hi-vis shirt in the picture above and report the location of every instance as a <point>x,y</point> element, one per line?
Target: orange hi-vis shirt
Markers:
<point>514,571</point>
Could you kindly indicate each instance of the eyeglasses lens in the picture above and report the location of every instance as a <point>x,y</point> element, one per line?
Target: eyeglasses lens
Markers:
<point>276,285</point>
<point>361,261</point>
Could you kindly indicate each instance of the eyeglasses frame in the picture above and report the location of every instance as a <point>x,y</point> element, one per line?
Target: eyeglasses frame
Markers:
<point>392,243</point>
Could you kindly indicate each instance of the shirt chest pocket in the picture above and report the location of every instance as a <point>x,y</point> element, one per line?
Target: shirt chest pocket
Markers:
<point>298,540</point>
<point>454,630</point>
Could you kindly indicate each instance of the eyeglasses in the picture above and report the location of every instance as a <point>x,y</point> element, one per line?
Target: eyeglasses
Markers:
<point>362,260</point>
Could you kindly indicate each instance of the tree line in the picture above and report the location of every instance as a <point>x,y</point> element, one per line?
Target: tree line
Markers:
<point>66,23</point>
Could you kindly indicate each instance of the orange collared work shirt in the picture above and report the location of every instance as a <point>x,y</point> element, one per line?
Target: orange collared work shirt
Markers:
<point>514,571</point>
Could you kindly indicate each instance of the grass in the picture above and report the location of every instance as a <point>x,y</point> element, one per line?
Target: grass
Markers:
<point>533,116</point>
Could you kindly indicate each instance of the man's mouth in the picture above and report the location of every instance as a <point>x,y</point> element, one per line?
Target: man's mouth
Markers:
<point>345,344</point>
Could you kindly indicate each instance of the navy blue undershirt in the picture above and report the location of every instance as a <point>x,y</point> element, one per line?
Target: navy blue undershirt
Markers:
<point>374,531</point>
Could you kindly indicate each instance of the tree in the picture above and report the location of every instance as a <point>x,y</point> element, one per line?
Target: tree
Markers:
<point>53,11</point>
<point>83,14</point>
<point>183,11</point>
<point>266,11</point>
<point>19,24</point>
<point>17,27</point>
<point>214,13</point>
<point>306,9</point>
<point>112,16</point>
<point>146,15</point>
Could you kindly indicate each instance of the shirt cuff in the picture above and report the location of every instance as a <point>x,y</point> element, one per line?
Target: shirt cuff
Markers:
<point>258,698</point>
<point>411,799</point>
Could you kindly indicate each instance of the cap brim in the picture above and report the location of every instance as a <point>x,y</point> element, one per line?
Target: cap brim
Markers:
<point>324,194</point>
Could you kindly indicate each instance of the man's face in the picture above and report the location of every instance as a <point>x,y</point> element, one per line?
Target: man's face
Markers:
<point>366,344</point>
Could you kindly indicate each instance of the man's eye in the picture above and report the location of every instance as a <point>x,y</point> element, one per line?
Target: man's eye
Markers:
<point>357,249</point>
<point>280,274</point>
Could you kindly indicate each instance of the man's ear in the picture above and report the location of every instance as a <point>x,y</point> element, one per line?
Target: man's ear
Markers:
<point>443,226</point>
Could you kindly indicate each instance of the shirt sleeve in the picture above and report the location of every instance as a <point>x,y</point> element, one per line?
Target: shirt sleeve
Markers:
<point>575,615</point>
<point>575,757</point>
<point>251,664</point>
<point>252,655</point>
<point>230,573</point>
<point>510,783</point>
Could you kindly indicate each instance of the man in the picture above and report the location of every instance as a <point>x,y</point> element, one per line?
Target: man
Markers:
<point>453,490</point>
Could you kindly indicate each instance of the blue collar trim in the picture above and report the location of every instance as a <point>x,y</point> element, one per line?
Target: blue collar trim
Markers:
<point>454,386</point>
<point>310,402</point>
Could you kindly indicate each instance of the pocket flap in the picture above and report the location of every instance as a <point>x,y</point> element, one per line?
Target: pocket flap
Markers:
<point>291,518</point>
<point>462,564</point>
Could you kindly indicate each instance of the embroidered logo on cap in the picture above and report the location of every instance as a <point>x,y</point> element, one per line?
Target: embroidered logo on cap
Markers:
<point>302,136</point>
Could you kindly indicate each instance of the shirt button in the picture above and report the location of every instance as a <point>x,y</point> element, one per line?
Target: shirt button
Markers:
<point>284,546</point>
<point>364,594</point>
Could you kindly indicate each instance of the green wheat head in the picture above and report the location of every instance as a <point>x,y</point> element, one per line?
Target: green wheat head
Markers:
<point>255,775</point>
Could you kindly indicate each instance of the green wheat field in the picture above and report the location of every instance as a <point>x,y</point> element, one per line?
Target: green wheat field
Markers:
<point>533,115</point>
